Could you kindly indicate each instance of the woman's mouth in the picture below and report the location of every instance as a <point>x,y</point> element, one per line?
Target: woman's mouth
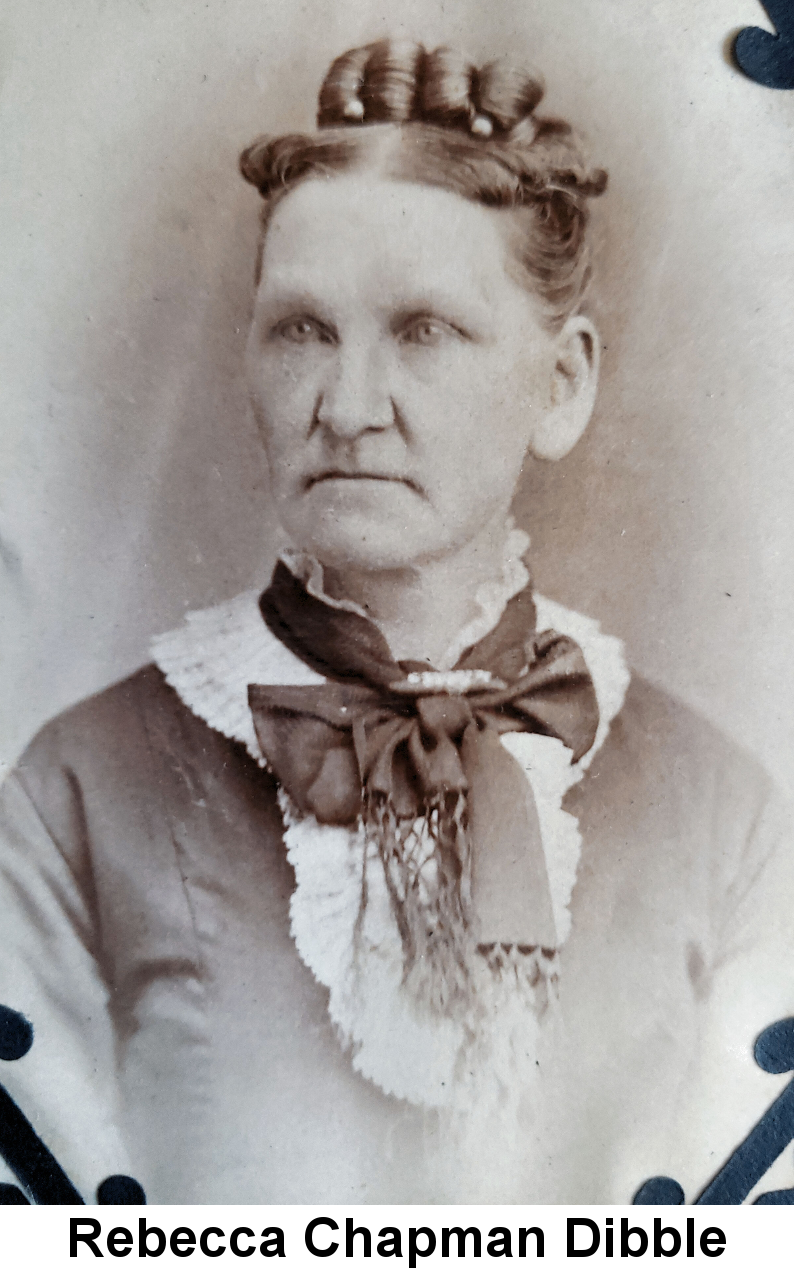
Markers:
<point>360,476</point>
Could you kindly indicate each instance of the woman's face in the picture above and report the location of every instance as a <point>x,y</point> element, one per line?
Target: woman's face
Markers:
<point>398,370</point>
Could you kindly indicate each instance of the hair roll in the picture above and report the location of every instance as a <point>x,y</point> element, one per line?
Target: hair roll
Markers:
<point>468,129</point>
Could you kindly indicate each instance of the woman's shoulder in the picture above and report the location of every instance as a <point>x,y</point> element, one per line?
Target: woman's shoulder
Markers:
<point>651,749</point>
<point>664,733</point>
<point>114,714</point>
<point>114,738</point>
<point>666,776</point>
<point>133,759</point>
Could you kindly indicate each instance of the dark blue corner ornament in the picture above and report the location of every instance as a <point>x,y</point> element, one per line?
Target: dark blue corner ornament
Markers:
<point>35,1168</point>
<point>774,1052</point>
<point>766,58</point>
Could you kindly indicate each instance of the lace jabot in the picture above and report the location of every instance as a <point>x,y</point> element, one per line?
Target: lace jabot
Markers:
<point>211,660</point>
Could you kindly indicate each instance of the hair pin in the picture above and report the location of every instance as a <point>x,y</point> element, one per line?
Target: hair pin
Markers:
<point>482,126</point>
<point>354,110</point>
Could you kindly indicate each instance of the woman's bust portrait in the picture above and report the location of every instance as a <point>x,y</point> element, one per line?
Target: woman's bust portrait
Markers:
<point>386,880</point>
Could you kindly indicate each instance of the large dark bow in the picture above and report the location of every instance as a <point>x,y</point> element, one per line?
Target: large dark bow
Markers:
<point>397,742</point>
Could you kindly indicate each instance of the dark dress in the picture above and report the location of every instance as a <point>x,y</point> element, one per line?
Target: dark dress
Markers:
<point>146,927</point>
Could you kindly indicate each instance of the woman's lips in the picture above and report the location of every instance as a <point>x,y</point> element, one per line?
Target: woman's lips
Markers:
<point>365,476</point>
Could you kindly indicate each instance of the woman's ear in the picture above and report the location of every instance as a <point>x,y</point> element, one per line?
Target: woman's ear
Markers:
<point>573,390</point>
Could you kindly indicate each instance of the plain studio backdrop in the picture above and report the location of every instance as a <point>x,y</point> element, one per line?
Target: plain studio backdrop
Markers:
<point>133,484</point>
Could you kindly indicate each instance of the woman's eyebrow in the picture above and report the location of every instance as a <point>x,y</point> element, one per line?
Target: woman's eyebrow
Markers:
<point>283,295</point>
<point>288,289</point>
<point>450,306</point>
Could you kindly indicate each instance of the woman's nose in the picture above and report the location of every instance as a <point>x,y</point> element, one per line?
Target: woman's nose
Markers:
<point>356,397</point>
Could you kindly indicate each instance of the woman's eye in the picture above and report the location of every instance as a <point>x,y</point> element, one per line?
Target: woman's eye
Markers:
<point>301,330</point>
<point>426,332</point>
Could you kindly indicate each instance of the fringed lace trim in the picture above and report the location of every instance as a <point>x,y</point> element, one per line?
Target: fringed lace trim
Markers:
<point>439,1062</point>
<point>357,953</point>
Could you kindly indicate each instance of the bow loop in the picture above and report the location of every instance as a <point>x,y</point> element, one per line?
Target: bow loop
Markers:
<point>334,795</point>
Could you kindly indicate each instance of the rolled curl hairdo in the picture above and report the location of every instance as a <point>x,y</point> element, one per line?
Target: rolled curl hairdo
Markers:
<point>471,130</point>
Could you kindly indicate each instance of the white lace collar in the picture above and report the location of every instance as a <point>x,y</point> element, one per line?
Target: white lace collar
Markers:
<point>210,660</point>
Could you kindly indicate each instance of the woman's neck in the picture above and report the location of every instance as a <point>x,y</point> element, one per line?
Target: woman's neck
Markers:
<point>421,610</point>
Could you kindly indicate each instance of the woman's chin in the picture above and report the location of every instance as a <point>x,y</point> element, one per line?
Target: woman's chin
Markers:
<point>345,542</point>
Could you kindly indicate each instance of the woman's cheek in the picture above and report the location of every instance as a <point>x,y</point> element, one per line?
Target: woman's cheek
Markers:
<point>448,366</point>
<point>288,392</point>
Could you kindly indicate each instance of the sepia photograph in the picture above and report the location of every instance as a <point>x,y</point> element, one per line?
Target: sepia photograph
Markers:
<point>396,537</point>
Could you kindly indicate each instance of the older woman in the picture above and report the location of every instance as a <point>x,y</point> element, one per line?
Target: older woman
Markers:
<point>389,884</point>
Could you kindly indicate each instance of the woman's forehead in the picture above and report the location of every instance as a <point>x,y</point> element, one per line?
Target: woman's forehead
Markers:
<point>364,226</point>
